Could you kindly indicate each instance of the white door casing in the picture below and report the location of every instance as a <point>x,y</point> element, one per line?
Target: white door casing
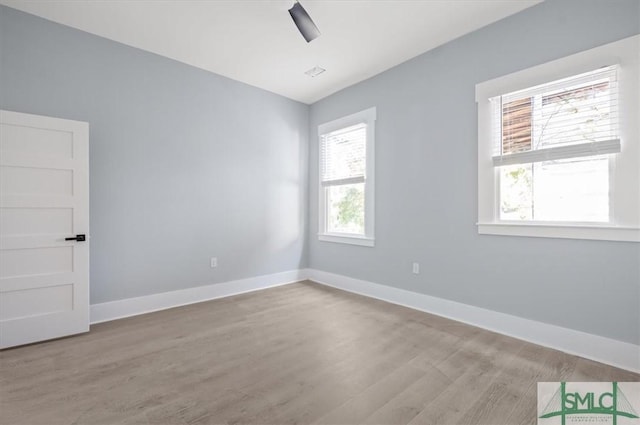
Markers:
<point>44,198</point>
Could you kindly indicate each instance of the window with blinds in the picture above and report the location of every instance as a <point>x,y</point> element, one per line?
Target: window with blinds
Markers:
<point>343,165</point>
<point>553,147</point>
<point>343,155</point>
<point>346,178</point>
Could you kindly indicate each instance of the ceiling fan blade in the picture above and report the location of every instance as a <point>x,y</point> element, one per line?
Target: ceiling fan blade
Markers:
<point>303,21</point>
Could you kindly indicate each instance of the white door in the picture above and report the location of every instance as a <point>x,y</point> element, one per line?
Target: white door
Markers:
<point>44,199</point>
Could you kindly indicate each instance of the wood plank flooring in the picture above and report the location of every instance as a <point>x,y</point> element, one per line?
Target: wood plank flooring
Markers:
<point>296,354</point>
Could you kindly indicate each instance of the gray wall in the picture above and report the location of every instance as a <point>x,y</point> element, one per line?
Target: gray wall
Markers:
<point>184,164</point>
<point>426,180</point>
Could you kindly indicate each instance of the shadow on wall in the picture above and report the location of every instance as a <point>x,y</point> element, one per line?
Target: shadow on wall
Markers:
<point>285,200</point>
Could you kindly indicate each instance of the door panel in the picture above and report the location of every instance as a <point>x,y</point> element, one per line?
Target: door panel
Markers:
<point>36,141</point>
<point>44,198</point>
<point>38,181</point>
<point>24,262</point>
<point>25,221</point>
<point>36,301</point>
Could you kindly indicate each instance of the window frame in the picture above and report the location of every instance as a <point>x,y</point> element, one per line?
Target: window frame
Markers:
<point>368,117</point>
<point>624,199</point>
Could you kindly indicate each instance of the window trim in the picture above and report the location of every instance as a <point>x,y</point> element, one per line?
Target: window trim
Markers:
<point>561,231</point>
<point>624,222</point>
<point>367,116</point>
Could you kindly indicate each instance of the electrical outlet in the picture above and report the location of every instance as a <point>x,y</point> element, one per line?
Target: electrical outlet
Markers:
<point>416,268</point>
<point>214,262</point>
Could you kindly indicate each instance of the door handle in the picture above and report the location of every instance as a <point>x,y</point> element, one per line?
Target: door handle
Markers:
<point>79,238</point>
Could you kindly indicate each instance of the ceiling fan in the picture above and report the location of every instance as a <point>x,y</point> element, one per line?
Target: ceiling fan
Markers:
<point>303,21</point>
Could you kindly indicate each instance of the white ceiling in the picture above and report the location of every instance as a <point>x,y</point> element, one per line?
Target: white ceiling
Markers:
<point>256,42</point>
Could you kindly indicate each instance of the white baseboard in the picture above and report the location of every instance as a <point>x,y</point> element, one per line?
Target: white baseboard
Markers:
<point>119,309</point>
<point>605,350</point>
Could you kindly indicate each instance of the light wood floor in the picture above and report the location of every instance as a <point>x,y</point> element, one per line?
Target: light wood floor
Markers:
<point>300,353</point>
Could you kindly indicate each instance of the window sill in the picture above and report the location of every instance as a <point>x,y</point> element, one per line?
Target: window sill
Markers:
<point>351,240</point>
<point>563,231</point>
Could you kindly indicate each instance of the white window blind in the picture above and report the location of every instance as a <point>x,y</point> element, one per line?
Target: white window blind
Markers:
<point>560,152</point>
<point>568,118</point>
<point>343,156</point>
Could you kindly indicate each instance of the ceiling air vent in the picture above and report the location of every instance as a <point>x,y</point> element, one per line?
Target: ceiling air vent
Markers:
<point>315,71</point>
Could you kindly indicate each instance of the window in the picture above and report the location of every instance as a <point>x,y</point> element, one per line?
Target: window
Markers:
<point>558,148</point>
<point>346,179</point>
<point>552,153</point>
